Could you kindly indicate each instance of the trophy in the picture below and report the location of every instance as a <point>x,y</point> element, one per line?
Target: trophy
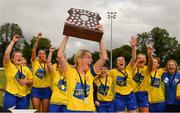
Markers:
<point>81,24</point>
<point>149,43</point>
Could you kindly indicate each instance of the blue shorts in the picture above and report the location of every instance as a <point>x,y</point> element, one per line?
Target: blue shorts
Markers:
<point>14,101</point>
<point>69,111</point>
<point>105,107</point>
<point>41,93</point>
<point>57,108</point>
<point>142,99</point>
<point>125,101</point>
<point>157,107</point>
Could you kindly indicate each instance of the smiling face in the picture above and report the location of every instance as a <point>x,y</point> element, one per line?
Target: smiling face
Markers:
<point>42,56</point>
<point>24,62</point>
<point>120,63</point>
<point>103,71</point>
<point>156,62</point>
<point>171,66</point>
<point>17,58</point>
<point>141,59</point>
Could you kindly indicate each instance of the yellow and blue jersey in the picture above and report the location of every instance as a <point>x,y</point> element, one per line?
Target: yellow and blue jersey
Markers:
<point>42,77</point>
<point>156,91</point>
<point>141,79</point>
<point>104,88</point>
<point>122,80</point>
<point>79,94</point>
<point>59,93</point>
<point>13,73</point>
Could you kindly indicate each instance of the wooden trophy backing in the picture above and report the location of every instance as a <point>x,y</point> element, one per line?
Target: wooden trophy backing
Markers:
<point>83,29</point>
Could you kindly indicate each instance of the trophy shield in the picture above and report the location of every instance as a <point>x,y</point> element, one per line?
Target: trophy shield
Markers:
<point>82,25</point>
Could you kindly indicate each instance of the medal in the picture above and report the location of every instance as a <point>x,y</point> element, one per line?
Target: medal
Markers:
<point>62,87</point>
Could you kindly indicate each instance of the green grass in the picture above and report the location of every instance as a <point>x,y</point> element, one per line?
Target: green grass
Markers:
<point>2,85</point>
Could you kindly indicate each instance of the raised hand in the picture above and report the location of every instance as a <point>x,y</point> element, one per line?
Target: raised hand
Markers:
<point>99,27</point>
<point>16,38</point>
<point>39,35</point>
<point>133,41</point>
<point>150,49</point>
<point>52,49</point>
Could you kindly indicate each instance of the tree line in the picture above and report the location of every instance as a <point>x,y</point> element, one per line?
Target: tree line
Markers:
<point>166,47</point>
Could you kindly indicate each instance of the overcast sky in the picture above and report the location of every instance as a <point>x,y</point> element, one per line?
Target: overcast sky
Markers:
<point>133,17</point>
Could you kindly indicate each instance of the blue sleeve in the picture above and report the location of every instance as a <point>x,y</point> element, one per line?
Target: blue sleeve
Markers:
<point>162,77</point>
<point>92,71</point>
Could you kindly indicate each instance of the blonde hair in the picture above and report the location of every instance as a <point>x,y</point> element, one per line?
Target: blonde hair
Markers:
<point>141,54</point>
<point>175,64</point>
<point>80,54</point>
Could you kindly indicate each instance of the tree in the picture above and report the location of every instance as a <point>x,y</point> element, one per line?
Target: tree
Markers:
<point>164,45</point>
<point>44,43</point>
<point>7,31</point>
<point>124,51</point>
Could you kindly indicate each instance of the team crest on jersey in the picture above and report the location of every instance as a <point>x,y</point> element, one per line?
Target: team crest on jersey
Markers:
<point>79,91</point>
<point>176,80</point>
<point>62,85</point>
<point>166,80</point>
<point>40,73</point>
<point>19,75</point>
<point>121,81</point>
<point>138,78</point>
<point>102,89</point>
<point>155,82</point>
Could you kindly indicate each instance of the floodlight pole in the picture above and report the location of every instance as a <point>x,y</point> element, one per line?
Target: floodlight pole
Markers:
<point>111,16</point>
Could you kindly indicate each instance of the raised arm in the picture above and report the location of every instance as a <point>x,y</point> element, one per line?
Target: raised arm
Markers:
<point>102,60</point>
<point>133,43</point>
<point>49,64</point>
<point>61,56</point>
<point>7,58</point>
<point>150,59</point>
<point>33,54</point>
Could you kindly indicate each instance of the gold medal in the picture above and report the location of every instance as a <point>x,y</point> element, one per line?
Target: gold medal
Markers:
<point>62,87</point>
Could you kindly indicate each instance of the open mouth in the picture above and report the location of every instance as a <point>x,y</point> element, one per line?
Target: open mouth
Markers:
<point>89,64</point>
<point>171,68</point>
<point>121,64</point>
<point>19,60</point>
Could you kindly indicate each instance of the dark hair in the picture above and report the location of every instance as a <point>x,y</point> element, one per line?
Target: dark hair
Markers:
<point>158,59</point>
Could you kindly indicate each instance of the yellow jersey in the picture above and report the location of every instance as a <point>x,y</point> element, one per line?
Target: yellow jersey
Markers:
<point>59,94</point>
<point>141,79</point>
<point>178,90</point>
<point>42,77</point>
<point>79,90</point>
<point>104,88</point>
<point>13,73</point>
<point>156,91</point>
<point>122,80</point>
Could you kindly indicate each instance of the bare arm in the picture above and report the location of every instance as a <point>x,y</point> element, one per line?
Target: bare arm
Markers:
<point>61,57</point>
<point>33,54</point>
<point>103,54</point>
<point>102,60</point>
<point>7,58</point>
<point>150,59</point>
<point>49,64</point>
<point>28,82</point>
<point>133,43</point>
